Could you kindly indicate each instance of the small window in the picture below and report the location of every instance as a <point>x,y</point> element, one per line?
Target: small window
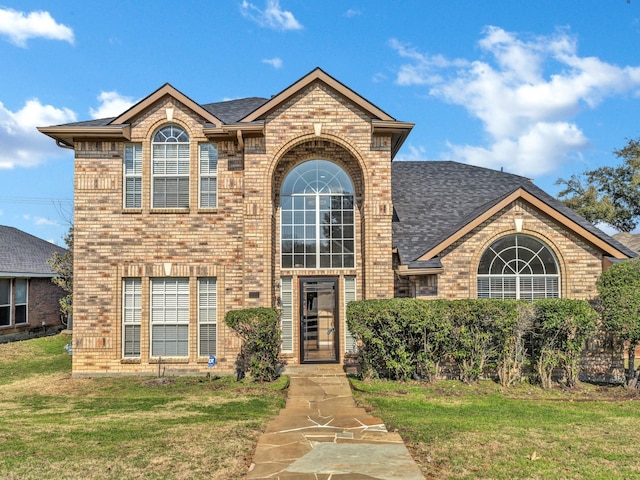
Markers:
<point>208,175</point>
<point>170,168</point>
<point>5,302</point>
<point>207,317</point>
<point>131,316</point>
<point>21,301</point>
<point>170,317</point>
<point>426,286</point>
<point>132,175</point>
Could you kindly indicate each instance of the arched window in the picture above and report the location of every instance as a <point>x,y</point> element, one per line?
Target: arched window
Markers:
<point>170,167</point>
<point>317,217</point>
<point>518,266</point>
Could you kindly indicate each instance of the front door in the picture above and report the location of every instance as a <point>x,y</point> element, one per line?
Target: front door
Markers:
<point>319,320</point>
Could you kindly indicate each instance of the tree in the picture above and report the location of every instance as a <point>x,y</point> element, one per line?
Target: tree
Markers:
<point>619,289</point>
<point>608,194</point>
<point>63,266</point>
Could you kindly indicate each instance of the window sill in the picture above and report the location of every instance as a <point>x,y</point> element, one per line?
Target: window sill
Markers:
<point>181,211</point>
<point>134,211</point>
<point>167,360</point>
<point>208,210</point>
<point>130,361</point>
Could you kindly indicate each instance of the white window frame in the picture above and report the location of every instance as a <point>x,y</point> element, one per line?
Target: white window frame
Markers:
<point>167,167</point>
<point>7,305</point>
<point>131,316</point>
<point>207,317</point>
<point>350,295</point>
<point>24,304</point>
<point>286,315</point>
<point>132,176</point>
<point>169,315</point>
<point>208,173</point>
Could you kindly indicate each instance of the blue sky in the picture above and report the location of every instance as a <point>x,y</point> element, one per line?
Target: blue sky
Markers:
<point>545,89</point>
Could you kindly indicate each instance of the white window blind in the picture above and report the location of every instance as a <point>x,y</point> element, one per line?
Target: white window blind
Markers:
<point>349,296</point>
<point>132,175</point>
<point>170,168</point>
<point>207,317</point>
<point>131,316</point>
<point>170,317</point>
<point>286,319</point>
<point>208,175</point>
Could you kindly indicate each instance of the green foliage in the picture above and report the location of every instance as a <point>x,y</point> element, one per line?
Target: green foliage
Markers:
<point>63,266</point>
<point>619,289</point>
<point>561,328</point>
<point>260,333</point>
<point>608,194</point>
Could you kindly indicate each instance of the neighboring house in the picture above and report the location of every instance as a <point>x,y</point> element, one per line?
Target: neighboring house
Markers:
<point>185,211</point>
<point>630,240</point>
<point>29,301</point>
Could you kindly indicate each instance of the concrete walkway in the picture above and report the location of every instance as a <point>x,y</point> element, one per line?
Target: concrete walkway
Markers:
<point>322,435</point>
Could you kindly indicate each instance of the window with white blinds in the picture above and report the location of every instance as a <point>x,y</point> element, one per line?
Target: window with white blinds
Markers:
<point>131,316</point>
<point>132,164</point>
<point>21,300</point>
<point>208,175</point>
<point>170,167</point>
<point>286,318</point>
<point>207,317</point>
<point>349,296</point>
<point>170,317</point>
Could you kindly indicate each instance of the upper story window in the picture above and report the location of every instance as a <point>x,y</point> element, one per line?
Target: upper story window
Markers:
<point>317,217</point>
<point>170,168</point>
<point>132,164</point>
<point>518,266</point>
<point>208,169</point>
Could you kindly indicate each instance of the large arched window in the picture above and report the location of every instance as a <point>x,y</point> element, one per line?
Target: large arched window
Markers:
<point>518,266</point>
<point>317,217</point>
<point>170,167</point>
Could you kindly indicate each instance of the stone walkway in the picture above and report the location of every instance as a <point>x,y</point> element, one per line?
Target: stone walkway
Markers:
<point>322,435</point>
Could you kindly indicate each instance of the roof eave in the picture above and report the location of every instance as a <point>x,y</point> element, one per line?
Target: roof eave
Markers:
<point>68,135</point>
<point>399,132</point>
<point>255,129</point>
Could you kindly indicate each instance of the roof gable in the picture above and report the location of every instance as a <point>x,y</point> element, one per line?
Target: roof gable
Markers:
<point>22,254</point>
<point>439,202</point>
<point>166,90</point>
<point>318,75</point>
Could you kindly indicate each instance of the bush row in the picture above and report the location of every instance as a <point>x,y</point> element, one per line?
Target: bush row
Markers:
<point>405,338</point>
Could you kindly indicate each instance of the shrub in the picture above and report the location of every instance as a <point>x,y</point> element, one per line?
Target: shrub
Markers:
<point>260,333</point>
<point>561,328</point>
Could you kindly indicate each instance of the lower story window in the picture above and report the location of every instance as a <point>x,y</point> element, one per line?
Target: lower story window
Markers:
<point>131,316</point>
<point>170,317</point>
<point>5,302</point>
<point>13,301</point>
<point>207,317</point>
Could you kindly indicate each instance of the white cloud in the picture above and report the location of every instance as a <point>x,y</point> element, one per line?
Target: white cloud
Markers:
<point>22,144</point>
<point>526,92</point>
<point>271,17</point>
<point>112,104</point>
<point>352,13</point>
<point>20,27</point>
<point>44,221</point>
<point>274,62</point>
<point>414,153</point>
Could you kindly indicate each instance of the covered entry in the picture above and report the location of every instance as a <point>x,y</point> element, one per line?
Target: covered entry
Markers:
<point>319,320</point>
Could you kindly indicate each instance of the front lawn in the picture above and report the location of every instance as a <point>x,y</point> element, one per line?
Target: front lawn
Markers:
<point>482,431</point>
<point>55,426</point>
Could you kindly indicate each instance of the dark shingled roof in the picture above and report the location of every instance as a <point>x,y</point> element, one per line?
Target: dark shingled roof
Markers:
<point>433,200</point>
<point>23,254</point>
<point>630,240</point>
<point>232,111</point>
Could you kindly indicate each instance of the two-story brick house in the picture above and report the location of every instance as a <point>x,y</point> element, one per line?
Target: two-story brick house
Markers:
<point>184,211</point>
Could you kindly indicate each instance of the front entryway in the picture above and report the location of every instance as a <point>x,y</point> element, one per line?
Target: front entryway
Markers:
<point>319,320</point>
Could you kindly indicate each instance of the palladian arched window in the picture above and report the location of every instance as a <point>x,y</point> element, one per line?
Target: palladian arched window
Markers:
<point>518,266</point>
<point>317,217</point>
<point>170,167</point>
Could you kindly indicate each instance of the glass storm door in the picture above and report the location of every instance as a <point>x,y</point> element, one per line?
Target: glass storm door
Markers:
<point>318,320</point>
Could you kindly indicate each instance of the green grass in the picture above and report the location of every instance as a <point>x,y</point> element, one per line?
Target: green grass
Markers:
<point>482,431</point>
<point>56,426</point>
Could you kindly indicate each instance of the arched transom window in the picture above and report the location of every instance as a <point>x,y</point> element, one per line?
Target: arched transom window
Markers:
<point>170,167</point>
<point>518,266</point>
<point>317,217</point>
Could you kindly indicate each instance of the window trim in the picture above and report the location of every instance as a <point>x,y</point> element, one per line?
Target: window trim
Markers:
<point>518,278</point>
<point>182,314</point>
<point>178,176</point>
<point>8,306</point>
<point>24,304</point>
<point>209,308</point>
<point>208,175</point>
<point>136,309</point>
<point>136,148</point>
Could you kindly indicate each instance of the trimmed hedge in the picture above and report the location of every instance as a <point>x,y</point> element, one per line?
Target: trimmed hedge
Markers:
<point>404,338</point>
<point>259,329</point>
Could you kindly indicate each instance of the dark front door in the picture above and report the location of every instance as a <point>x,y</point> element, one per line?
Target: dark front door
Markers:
<point>319,320</point>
